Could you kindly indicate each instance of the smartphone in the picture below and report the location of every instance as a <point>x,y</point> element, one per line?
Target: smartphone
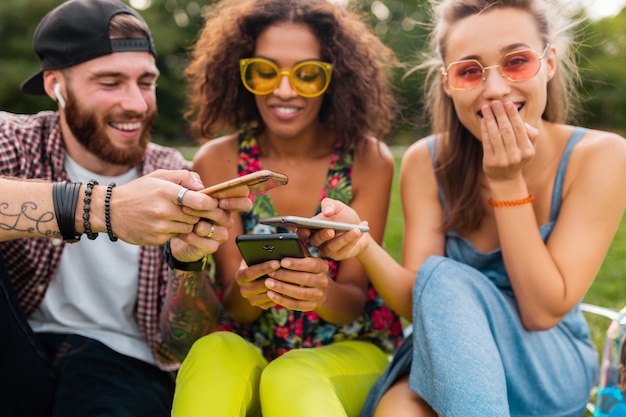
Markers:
<point>305,222</point>
<point>252,183</point>
<point>265,247</point>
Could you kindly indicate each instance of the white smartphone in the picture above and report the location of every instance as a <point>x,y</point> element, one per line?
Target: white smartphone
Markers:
<point>307,223</point>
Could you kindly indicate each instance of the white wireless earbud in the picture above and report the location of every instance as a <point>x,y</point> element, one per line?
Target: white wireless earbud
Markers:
<point>57,93</point>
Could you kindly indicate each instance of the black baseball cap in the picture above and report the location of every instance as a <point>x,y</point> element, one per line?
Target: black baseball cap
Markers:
<point>78,31</point>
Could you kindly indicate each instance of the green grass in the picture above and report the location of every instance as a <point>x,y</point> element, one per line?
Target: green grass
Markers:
<point>395,222</point>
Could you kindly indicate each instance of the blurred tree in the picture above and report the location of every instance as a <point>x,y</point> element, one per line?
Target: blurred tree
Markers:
<point>18,19</point>
<point>603,55</point>
<point>404,26</point>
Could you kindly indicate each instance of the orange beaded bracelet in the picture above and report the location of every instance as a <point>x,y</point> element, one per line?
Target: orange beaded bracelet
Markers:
<point>511,203</point>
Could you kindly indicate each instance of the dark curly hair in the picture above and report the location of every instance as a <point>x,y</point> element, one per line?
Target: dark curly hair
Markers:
<point>360,99</point>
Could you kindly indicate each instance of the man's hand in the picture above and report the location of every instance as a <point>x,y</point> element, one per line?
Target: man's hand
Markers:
<point>147,211</point>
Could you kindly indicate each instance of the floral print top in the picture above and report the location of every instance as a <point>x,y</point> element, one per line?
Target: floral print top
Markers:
<point>279,329</point>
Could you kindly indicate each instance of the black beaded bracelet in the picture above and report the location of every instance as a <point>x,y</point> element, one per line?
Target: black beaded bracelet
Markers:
<point>65,200</point>
<point>174,263</point>
<point>86,206</point>
<point>107,212</point>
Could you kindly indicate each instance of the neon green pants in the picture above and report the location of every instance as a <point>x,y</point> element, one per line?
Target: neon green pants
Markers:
<point>226,376</point>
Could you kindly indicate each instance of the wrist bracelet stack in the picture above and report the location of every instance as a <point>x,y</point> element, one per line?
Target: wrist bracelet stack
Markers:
<point>87,205</point>
<point>65,199</point>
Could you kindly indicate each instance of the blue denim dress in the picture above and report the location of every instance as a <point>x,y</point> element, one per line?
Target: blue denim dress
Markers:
<point>470,356</point>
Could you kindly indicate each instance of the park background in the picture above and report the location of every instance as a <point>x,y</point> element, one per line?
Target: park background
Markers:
<point>401,24</point>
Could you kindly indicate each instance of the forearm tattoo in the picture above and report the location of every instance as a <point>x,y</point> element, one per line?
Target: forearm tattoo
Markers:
<point>190,311</point>
<point>27,219</point>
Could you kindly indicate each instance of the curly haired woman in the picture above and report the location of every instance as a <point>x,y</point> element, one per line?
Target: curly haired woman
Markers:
<point>301,87</point>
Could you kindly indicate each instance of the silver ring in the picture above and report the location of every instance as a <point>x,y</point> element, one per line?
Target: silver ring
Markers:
<point>181,194</point>
<point>211,231</point>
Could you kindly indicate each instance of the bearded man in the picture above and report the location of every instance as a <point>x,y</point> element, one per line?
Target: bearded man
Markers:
<point>98,326</point>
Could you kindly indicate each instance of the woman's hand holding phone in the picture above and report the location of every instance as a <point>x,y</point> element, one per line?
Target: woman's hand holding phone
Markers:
<point>299,284</point>
<point>251,282</point>
<point>294,279</point>
<point>337,246</point>
<point>262,254</point>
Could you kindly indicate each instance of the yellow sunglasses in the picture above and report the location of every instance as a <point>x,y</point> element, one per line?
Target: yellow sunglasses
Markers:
<point>309,78</point>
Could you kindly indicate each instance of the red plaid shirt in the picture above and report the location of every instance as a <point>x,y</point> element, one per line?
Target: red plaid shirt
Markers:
<point>31,146</point>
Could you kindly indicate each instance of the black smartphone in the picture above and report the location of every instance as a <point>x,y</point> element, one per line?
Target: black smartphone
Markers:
<point>252,183</point>
<point>265,247</point>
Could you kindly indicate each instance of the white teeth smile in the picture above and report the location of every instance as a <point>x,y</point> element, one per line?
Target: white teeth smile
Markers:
<point>286,110</point>
<point>127,126</point>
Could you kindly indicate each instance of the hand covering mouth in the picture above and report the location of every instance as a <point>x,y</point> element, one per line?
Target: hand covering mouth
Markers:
<point>518,105</point>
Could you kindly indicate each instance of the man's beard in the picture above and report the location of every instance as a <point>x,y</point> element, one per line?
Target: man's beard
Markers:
<point>90,131</point>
